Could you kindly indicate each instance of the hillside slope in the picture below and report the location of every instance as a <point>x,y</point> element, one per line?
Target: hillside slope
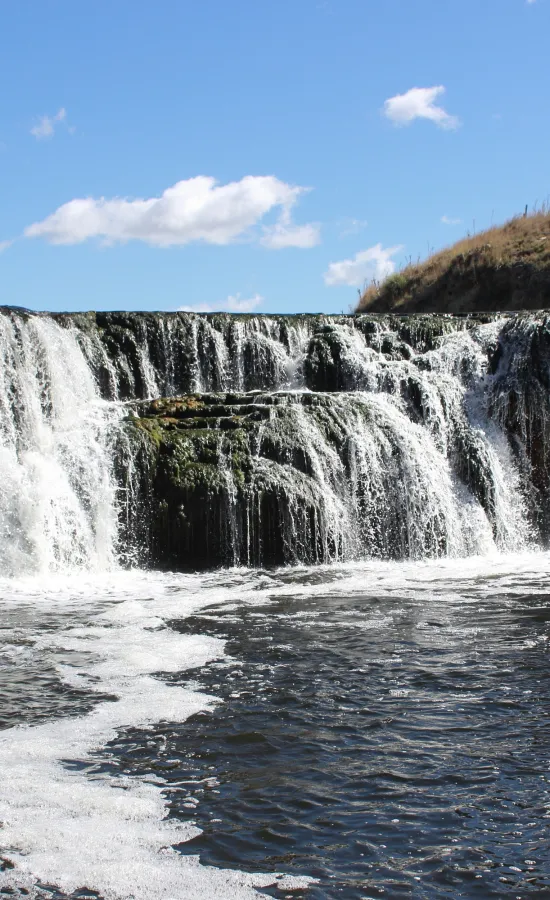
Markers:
<point>504,268</point>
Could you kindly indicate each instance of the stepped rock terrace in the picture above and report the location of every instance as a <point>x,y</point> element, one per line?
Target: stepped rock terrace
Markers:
<point>185,441</point>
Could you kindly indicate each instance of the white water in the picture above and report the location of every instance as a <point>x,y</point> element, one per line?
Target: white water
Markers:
<point>109,834</point>
<point>77,827</point>
<point>73,827</point>
<point>389,486</point>
<point>57,494</point>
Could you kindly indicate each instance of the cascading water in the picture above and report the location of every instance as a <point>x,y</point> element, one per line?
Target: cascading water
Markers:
<point>358,714</point>
<point>389,449</point>
<point>366,436</point>
<point>57,494</point>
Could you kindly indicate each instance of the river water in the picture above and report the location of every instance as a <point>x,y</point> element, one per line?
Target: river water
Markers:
<point>357,731</point>
<point>361,730</point>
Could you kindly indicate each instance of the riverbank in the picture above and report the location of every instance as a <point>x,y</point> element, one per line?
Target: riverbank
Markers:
<point>504,268</point>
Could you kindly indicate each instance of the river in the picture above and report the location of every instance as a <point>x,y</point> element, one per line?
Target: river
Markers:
<point>376,725</point>
<point>361,731</point>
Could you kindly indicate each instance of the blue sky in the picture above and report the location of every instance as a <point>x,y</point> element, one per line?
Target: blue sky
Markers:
<point>238,154</point>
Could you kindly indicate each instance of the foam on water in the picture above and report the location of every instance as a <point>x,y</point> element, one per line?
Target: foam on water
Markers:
<point>108,834</point>
<point>73,828</point>
<point>392,488</point>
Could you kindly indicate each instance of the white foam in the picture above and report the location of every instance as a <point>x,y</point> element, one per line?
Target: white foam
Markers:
<point>107,833</point>
<point>65,827</point>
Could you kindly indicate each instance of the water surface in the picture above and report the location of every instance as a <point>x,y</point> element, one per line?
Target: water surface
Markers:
<point>379,730</point>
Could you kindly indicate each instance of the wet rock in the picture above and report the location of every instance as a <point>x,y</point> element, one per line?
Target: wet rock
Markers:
<point>394,443</point>
<point>222,481</point>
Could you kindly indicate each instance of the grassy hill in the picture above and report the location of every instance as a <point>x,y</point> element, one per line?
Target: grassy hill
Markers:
<point>503,268</point>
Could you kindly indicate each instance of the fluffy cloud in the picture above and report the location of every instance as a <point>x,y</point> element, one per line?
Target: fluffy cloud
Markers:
<point>4,245</point>
<point>232,304</point>
<point>280,236</point>
<point>198,308</point>
<point>419,103</point>
<point>46,125</point>
<point>448,220</point>
<point>285,234</point>
<point>368,264</point>
<point>236,304</point>
<point>198,209</point>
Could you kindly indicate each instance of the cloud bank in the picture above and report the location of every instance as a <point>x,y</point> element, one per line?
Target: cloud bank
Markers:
<point>419,103</point>
<point>198,209</point>
<point>376,262</point>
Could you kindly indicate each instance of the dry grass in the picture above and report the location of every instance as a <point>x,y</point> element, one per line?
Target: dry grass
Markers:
<point>523,242</point>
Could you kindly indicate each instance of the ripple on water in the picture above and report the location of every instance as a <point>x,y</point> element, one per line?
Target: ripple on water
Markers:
<point>386,733</point>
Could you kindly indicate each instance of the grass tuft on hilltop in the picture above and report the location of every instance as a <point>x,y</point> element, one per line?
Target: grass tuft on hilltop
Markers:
<point>504,268</point>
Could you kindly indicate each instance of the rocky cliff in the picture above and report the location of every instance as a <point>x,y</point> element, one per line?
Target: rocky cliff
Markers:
<point>259,440</point>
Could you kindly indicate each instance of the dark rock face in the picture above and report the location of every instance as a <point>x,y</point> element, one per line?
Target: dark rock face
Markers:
<point>388,461</point>
<point>142,355</point>
<point>224,482</point>
<point>139,355</point>
<point>334,352</point>
<point>520,403</point>
<point>423,436</point>
<point>259,440</point>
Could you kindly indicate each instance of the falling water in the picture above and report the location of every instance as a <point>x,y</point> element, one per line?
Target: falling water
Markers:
<point>57,508</point>
<point>363,436</point>
<point>136,739</point>
<point>382,443</point>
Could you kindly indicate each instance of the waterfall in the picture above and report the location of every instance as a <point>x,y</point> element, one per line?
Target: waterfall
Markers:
<point>280,438</point>
<point>57,494</point>
<point>146,355</point>
<point>388,446</point>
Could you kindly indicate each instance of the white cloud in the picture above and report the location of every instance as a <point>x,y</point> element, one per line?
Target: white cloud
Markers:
<point>448,220</point>
<point>46,125</point>
<point>419,103</point>
<point>197,308</point>
<point>366,265</point>
<point>285,234</point>
<point>4,245</point>
<point>279,236</point>
<point>198,209</point>
<point>232,304</point>
<point>236,304</point>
